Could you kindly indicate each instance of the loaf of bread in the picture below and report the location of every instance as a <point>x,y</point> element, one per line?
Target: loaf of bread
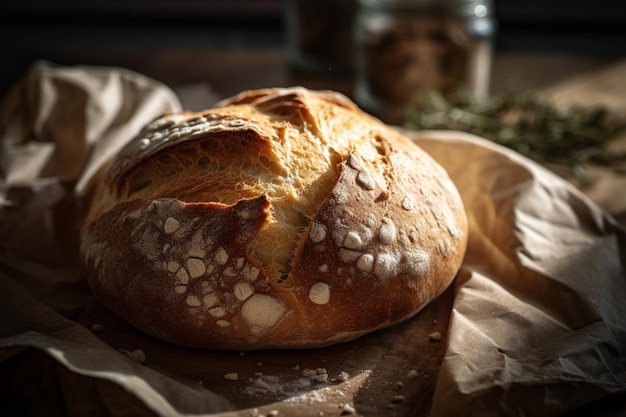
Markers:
<point>280,218</point>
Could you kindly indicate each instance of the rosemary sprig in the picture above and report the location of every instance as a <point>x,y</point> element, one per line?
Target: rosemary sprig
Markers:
<point>527,124</point>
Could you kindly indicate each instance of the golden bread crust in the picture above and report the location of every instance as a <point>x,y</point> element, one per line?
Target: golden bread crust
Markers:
<point>281,218</point>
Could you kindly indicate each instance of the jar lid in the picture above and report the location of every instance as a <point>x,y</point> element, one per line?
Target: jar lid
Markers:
<point>478,8</point>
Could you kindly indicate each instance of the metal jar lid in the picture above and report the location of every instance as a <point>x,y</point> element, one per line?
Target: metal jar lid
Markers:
<point>478,8</point>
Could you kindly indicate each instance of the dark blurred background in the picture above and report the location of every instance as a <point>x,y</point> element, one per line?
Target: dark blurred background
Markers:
<point>131,33</point>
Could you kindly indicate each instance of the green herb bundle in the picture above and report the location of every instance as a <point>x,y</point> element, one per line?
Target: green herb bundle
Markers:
<point>527,124</point>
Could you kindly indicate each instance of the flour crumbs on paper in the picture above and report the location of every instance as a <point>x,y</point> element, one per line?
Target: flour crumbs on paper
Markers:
<point>313,387</point>
<point>262,384</point>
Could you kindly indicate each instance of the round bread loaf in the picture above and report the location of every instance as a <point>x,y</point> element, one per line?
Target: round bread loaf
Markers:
<point>281,218</point>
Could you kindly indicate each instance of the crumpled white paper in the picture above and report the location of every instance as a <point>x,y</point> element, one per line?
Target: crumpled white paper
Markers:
<point>538,324</point>
<point>56,127</point>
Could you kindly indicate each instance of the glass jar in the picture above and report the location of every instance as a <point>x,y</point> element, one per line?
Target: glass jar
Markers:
<point>405,47</point>
<point>320,35</point>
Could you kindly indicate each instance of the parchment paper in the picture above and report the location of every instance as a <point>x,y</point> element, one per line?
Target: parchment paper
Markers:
<point>535,323</point>
<point>539,320</point>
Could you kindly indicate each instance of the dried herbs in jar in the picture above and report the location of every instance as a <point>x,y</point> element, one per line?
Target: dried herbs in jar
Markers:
<point>406,46</point>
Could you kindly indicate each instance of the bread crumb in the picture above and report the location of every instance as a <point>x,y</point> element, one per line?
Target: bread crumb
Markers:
<point>267,382</point>
<point>399,385</point>
<point>398,399</point>
<point>136,355</point>
<point>434,336</point>
<point>347,409</point>
<point>343,376</point>
<point>322,378</point>
<point>318,374</point>
<point>232,376</point>
<point>412,374</point>
<point>97,328</point>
